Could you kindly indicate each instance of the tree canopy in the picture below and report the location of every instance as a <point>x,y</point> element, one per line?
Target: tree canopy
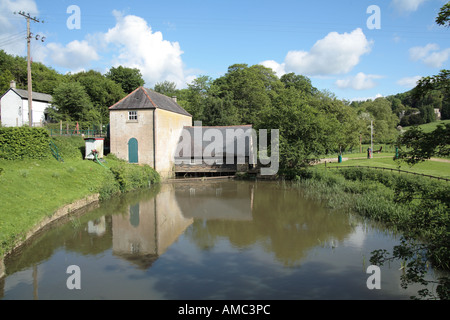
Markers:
<point>443,18</point>
<point>129,78</point>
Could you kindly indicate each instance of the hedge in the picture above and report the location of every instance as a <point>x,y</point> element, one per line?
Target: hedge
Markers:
<point>24,143</point>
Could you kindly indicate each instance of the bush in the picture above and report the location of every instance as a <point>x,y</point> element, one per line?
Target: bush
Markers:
<point>24,143</point>
<point>109,187</point>
<point>132,177</point>
<point>70,147</point>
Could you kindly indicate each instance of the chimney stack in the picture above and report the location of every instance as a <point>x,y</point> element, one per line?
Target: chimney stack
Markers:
<point>12,84</point>
<point>174,98</point>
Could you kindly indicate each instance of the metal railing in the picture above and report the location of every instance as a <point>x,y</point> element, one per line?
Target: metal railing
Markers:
<point>89,133</point>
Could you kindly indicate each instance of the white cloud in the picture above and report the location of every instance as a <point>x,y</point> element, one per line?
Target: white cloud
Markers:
<point>407,5</point>
<point>75,56</point>
<point>137,46</point>
<point>334,54</point>
<point>378,95</point>
<point>417,53</point>
<point>409,82</point>
<point>361,81</point>
<point>430,55</point>
<point>278,68</point>
<point>437,59</point>
<point>11,40</point>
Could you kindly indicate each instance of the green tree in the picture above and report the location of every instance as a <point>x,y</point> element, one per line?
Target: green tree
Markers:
<point>17,66</point>
<point>5,81</point>
<point>305,132</point>
<point>299,82</point>
<point>129,78</point>
<point>193,99</point>
<point>73,103</point>
<point>219,112</point>
<point>167,88</point>
<point>443,18</point>
<point>440,81</point>
<point>347,134</point>
<point>416,146</point>
<point>250,88</point>
<point>384,121</point>
<point>445,111</point>
<point>45,79</point>
<point>102,92</point>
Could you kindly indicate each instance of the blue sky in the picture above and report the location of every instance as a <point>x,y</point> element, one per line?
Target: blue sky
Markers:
<point>329,41</point>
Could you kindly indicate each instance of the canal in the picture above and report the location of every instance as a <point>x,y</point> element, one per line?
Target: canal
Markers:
<point>220,239</point>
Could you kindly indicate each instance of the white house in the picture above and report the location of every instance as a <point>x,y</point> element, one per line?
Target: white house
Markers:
<point>14,107</point>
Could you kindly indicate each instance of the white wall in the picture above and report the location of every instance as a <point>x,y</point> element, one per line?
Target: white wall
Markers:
<point>169,126</point>
<point>38,108</point>
<point>14,110</point>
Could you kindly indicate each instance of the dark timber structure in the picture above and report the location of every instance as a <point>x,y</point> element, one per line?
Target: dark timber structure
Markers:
<point>233,156</point>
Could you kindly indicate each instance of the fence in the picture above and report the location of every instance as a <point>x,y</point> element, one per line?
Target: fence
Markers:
<point>73,132</point>
<point>71,129</point>
<point>391,169</point>
<point>385,148</point>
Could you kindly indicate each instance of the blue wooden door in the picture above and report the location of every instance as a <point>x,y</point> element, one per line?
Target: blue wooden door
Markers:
<point>133,151</point>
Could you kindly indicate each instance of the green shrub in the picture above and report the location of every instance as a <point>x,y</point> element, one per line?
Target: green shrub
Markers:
<point>24,143</point>
<point>109,187</point>
<point>132,177</point>
<point>70,147</point>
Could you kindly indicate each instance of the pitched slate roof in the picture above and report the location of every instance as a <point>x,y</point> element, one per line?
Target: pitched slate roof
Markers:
<point>143,98</point>
<point>37,96</point>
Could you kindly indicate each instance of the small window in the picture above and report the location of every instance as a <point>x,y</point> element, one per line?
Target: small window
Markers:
<point>132,116</point>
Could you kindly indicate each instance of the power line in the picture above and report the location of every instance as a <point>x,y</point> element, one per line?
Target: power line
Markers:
<point>29,37</point>
<point>12,39</point>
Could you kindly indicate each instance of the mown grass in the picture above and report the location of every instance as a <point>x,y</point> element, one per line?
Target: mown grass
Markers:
<point>429,167</point>
<point>31,190</point>
<point>429,127</point>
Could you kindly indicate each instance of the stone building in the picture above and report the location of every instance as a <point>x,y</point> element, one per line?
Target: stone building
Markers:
<point>145,128</point>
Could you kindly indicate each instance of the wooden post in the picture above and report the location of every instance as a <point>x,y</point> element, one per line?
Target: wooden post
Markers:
<point>30,90</point>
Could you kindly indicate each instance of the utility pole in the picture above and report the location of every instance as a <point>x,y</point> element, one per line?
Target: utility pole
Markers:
<point>30,85</point>
<point>371,138</point>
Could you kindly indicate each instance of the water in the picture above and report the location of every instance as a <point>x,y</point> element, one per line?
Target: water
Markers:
<point>206,240</point>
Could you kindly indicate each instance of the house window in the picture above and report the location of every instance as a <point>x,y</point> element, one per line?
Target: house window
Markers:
<point>132,116</point>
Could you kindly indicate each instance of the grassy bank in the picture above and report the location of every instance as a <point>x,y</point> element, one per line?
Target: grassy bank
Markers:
<point>429,167</point>
<point>31,190</point>
<point>429,127</point>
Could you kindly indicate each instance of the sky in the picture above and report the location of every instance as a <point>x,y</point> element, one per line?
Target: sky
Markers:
<point>356,49</point>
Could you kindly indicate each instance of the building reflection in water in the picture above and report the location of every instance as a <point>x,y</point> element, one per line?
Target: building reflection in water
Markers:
<point>147,228</point>
<point>216,200</point>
